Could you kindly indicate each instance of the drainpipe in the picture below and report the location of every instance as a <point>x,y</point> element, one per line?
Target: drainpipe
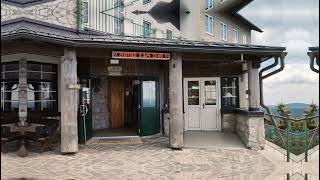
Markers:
<point>312,60</point>
<point>79,15</point>
<point>262,77</point>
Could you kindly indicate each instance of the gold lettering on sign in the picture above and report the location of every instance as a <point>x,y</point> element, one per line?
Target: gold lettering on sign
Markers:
<point>140,55</point>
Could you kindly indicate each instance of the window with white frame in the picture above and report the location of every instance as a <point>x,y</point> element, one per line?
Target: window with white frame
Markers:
<point>208,4</point>
<point>169,34</point>
<point>146,1</point>
<point>244,39</point>
<point>209,24</point>
<point>146,29</point>
<point>224,31</point>
<point>235,36</point>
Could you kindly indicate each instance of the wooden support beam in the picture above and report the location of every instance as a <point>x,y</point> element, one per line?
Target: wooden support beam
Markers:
<point>175,100</point>
<point>22,94</point>
<point>69,104</point>
<point>253,84</point>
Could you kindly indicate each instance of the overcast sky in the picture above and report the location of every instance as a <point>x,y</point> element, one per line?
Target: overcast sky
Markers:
<point>293,24</point>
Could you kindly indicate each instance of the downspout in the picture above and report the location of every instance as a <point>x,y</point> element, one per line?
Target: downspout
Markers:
<point>312,60</point>
<point>262,77</point>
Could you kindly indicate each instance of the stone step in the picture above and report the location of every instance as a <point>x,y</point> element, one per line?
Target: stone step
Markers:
<point>116,140</point>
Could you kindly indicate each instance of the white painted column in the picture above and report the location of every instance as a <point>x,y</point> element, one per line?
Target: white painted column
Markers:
<point>69,106</point>
<point>253,83</point>
<point>175,100</point>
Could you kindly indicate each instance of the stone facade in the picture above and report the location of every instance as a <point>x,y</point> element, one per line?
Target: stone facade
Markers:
<point>229,122</point>
<point>250,130</point>
<point>58,12</point>
<point>99,106</point>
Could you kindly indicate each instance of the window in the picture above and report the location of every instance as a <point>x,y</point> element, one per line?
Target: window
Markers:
<point>42,93</point>
<point>10,86</point>
<point>149,97</point>
<point>146,29</point>
<point>193,93</point>
<point>42,88</point>
<point>235,36</point>
<point>146,1</point>
<point>118,15</point>
<point>169,34</point>
<point>208,4</point>
<point>224,32</point>
<point>244,39</point>
<point>230,92</point>
<point>209,24</point>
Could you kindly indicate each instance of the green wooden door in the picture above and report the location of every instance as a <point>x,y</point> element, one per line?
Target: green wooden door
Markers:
<point>149,117</point>
<point>85,111</point>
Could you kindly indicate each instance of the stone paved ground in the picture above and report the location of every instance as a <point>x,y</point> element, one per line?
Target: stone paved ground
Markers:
<point>150,160</point>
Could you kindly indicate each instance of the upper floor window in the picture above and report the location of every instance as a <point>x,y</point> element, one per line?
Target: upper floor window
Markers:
<point>169,34</point>
<point>235,36</point>
<point>208,4</point>
<point>209,24</point>
<point>244,39</point>
<point>146,1</point>
<point>146,29</point>
<point>224,31</point>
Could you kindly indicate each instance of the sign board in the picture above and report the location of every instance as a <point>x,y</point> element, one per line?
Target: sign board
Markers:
<point>140,55</point>
<point>114,70</point>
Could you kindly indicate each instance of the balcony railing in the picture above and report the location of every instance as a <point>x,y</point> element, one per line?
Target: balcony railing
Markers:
<point>107,16</point>
<point>296,136</point>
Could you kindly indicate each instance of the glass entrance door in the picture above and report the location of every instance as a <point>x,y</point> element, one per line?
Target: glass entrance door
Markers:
<point>149,107</point>
<point>202,103</point>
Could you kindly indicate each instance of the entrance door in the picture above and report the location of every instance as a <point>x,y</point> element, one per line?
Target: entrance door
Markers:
<point>202,103</point>
<point>85,110</point>
<point>149,107</point>
<point>116,103</point>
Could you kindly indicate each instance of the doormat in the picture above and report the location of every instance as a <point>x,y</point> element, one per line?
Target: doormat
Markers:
<point>116,140</point>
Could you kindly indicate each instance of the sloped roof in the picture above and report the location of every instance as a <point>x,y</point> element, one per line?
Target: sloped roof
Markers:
<point>233,7</point>
<point>35,30</point>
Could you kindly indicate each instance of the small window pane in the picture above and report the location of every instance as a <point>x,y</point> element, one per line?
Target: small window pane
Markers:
<point>149,94</point>
<point>210,88</point>
<point>230,92</point>
<point>33,67</point>
<point>193,93</point>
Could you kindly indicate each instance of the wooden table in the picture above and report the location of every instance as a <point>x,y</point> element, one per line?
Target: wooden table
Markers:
<point>34,120</point>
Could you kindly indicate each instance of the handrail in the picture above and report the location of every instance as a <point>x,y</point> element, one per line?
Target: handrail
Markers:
<point>289,133</point>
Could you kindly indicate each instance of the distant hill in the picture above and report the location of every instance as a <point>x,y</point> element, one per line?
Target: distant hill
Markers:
<point>297,109</point>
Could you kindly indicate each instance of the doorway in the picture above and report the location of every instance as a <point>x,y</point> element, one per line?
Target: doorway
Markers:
<point>133,106</point>
<point>202,104</point>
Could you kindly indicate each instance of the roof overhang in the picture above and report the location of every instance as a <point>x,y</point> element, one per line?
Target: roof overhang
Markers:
<point>38,31</point>
<point>233,7</point>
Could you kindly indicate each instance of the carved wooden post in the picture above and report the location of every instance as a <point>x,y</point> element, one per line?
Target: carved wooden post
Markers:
<point>253,83</point>
<point>22,94</point>
<point>176,99</point>
<point>69,106</point>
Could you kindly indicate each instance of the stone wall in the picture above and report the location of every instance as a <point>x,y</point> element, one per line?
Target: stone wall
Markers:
<point>250,130</point>
<point>99,105</point>
<point>229,122</point>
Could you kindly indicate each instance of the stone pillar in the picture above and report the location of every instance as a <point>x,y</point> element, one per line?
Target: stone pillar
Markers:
<point>250,129</point>
<point>69,106</point>
<point>175,102</point>
<point>253,83</point>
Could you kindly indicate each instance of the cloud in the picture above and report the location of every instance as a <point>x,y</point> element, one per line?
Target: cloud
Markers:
<point>292,24</point>
<point>296,83</point>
